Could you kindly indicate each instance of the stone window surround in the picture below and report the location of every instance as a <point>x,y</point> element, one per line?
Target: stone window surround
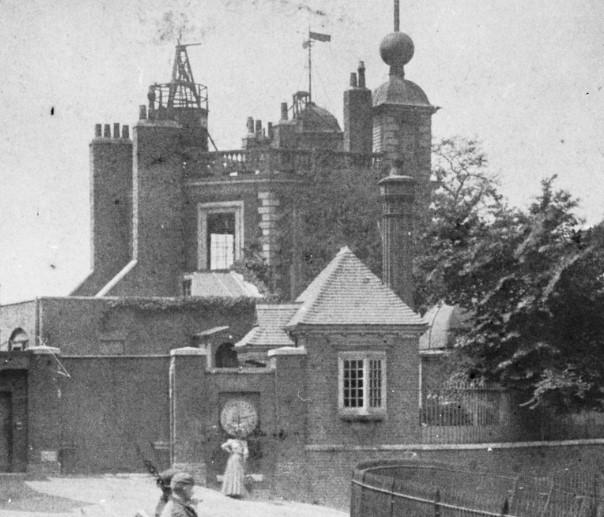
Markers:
<point>365,412</point>
<point>220,207</point>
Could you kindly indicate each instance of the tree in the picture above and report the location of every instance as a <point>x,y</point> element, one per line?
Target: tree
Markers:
<point>465,206</point>
<point>533,282</point>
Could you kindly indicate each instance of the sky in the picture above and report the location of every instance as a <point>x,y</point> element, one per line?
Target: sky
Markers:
<point>525,78</point>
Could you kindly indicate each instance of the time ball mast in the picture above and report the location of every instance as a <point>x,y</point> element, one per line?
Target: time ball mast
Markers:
<point>182,99</point>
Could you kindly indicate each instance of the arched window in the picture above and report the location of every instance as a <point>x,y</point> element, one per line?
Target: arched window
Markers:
<point>225,356</point>
<point>18,340</point>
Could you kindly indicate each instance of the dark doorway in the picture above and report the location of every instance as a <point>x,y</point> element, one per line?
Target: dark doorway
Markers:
<point>6,419</point>
<point>226,357</point>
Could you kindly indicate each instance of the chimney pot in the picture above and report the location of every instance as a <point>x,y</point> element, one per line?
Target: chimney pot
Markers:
<point>353,80</point>
<point>270,130</point>
<point>98,130</point>
<point>284,111</point>
<point>116,130</point>
<point>361,71</point>
<point>125,132</point>
<point>258,127</point>
<point>250,125</point>
<point>142,112</point>
<point>107,131</point>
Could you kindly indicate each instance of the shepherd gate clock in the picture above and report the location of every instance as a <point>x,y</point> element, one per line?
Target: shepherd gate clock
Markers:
<point>238,417</point>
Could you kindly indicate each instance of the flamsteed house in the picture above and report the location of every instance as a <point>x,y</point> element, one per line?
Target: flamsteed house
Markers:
<point>162,351</point>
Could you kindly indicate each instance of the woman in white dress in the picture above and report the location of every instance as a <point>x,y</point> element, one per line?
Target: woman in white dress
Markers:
<point>233,479</point>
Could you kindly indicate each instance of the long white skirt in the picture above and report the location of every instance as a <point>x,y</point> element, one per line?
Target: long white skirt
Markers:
<point>232,483</point>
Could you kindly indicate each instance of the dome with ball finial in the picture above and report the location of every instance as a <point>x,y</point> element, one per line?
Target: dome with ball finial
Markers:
<point>396,50</point>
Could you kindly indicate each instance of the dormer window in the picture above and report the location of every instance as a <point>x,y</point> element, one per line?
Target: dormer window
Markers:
<point>220,235</point>
<point>362,385</point>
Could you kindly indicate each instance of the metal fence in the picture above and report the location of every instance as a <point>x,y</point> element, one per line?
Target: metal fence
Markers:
<point>413,489</point>
<point>481,414</point>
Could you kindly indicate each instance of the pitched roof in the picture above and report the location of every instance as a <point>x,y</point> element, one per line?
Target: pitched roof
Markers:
<point>346,292</point>
<point>221,283</point>
<point>271,324</point>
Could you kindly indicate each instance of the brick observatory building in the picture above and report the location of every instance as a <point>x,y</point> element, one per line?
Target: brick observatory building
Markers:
<point>163,351</point>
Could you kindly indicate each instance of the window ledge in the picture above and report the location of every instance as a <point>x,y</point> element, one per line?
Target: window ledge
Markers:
<point>362,416</point>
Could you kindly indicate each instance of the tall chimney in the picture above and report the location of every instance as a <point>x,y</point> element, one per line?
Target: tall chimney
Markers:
<point>284,111</point>
<point>358,130</point>
<point>361,74</point>
<point>397,193</point>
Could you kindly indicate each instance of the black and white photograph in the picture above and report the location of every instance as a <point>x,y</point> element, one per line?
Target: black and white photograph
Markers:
<point>300,258</point>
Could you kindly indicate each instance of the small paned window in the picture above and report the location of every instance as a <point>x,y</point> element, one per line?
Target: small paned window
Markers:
<point>362,383</point>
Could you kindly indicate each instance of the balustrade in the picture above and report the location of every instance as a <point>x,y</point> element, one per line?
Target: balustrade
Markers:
<point>272,161</point>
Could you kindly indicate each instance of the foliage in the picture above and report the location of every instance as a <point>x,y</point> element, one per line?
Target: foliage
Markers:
<point>241,304</point>
<point>465,204</point>
<point>336,208</point>
<point>533,282</point>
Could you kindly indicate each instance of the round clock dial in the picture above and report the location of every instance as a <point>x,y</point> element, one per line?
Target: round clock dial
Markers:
<point>238,416</point>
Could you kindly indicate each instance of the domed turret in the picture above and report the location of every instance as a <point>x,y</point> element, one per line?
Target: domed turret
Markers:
<point>315,118</point>
<point>396,51</point>
<point>311,127</point>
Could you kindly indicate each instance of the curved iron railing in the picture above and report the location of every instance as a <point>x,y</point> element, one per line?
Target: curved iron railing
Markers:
<point>416,489</point>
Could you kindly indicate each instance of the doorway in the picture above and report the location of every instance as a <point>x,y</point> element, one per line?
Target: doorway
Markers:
<point>6,419</point>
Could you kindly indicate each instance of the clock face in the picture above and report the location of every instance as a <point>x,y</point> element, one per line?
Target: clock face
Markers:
<point>238,416</point>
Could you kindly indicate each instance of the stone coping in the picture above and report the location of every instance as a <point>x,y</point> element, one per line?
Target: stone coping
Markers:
<point>448,446</point>
<point>287,350</point>
<point>188,350</point>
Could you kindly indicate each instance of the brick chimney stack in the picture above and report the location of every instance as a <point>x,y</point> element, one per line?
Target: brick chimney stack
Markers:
<point>357,114</point>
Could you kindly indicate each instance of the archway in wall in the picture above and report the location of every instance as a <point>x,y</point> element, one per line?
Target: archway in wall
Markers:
<point>225,356</point>
<point>18,340</point>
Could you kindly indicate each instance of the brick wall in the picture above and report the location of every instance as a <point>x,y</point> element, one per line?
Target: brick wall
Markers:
<point>112,408</point>
<point>324,424</point>
<point>83,326</point>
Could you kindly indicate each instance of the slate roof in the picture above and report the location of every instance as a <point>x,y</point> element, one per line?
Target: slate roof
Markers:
<point>270,331</point>
<point>346,292</point>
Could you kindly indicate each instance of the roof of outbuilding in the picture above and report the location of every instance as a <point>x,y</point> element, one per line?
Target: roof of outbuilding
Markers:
<point>443,320</point>
<point>270,329</point>
<point>346,292</point>
<point>228,284</point>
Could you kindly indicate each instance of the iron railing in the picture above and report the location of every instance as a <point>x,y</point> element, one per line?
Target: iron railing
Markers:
<point>414,489</point>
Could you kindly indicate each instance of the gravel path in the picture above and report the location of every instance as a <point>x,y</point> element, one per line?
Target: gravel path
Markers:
<point>122,495</point>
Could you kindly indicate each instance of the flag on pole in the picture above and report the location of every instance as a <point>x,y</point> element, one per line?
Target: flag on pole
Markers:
<point>317,36</point>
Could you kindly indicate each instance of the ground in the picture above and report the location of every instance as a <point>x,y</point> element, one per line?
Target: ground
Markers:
<point>122,495</point>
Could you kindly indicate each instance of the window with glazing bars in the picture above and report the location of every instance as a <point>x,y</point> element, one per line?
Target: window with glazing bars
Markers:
<point>362,383</point>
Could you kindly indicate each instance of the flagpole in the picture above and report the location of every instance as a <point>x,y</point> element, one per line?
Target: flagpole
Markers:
<point>309,66</point>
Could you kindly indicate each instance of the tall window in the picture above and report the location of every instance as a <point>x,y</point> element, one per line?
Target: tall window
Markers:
<point>221,240</point>
<point>362,383</point>
<point>220,234</point>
